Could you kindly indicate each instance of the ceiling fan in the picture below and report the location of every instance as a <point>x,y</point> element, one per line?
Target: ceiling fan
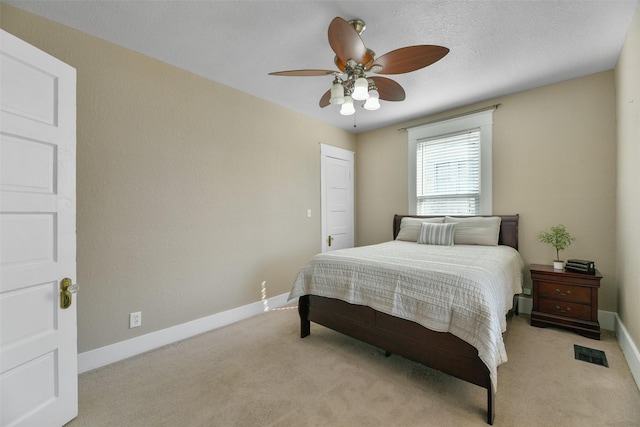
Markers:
<point>354,60</point>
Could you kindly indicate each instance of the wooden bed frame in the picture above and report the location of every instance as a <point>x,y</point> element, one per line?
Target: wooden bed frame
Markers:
<point>438,350</point>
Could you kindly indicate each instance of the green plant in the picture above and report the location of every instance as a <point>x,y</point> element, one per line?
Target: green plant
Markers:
<point>559,238</point>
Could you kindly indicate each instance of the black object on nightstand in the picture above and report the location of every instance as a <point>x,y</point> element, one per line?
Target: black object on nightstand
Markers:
<point>566,299</point>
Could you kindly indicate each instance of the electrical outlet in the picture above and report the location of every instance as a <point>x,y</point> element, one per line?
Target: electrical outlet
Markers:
<point>527,291</point>
<point>135,319</point>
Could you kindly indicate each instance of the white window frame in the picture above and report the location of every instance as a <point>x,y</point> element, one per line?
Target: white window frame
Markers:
<point>483,121</point>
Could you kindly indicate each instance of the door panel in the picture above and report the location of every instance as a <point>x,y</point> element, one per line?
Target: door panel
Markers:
<point>27,166</point>
<point>37,104</point>
<point>337,202</point>
<point>41,391</point>
<point>34,306</point>
<point>38,349</point>
<point>338,199</point>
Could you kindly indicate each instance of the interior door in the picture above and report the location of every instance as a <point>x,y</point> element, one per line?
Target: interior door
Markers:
<point>38,349</point>
<point>337,198</point>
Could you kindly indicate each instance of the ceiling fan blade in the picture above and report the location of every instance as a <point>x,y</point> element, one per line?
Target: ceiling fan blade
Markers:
<point>407,59</point>
<point>345,41</point>
<point>304,73</point>
<point>388,89</point>
<point>324,101</point>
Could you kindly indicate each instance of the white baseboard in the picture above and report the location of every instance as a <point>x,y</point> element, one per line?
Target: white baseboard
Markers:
<point>607,319</point>
<point>629,349</point>
<point>525,304</point>
<point>106,355</point>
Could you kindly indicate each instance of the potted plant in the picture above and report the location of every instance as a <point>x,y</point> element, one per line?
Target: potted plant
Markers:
<point>559,238</point>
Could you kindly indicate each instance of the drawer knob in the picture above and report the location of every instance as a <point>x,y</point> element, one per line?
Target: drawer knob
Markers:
<point>561,310</point>
<point>566,293</point>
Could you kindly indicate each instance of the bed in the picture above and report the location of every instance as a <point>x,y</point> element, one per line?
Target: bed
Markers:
<point>333,298</point>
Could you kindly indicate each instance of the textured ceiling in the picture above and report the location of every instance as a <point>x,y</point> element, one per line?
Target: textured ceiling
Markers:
<point>497,47</point>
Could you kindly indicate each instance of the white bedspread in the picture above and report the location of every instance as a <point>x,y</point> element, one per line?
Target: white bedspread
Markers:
<point>462,289</point>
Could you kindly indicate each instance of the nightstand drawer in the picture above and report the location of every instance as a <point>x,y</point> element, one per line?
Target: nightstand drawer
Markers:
<point>564,292</point>
<point>566,309</point>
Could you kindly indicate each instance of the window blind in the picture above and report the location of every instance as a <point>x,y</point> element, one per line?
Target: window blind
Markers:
<point>448,174</point>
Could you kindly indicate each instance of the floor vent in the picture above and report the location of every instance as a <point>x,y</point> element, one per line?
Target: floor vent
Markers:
<point>590,355</point>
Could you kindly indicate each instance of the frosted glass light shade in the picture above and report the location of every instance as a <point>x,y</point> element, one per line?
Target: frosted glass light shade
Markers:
<point>360,89</point>
<point>337,94</point>
<point>373,102</point>
<point>347,108</point>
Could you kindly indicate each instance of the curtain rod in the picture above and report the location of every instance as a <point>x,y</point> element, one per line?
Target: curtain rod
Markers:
<point>492,107</point>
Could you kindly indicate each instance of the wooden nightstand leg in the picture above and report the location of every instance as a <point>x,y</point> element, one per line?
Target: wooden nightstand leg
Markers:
<point>589,334</point>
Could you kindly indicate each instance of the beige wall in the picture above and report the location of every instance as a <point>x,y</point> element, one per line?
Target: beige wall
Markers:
<point>554,161</point>
<point>190,194</point>
<point>628,112</point>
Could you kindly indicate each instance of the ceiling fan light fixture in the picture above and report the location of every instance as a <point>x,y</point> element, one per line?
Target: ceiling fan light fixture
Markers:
<point>347,108</point>
<point>354,59</point>
<point>360,89</point>
<point>337,93</point>
<point>373,102</point>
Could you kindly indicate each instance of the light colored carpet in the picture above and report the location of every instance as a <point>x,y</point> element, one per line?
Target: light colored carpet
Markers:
<point>258,372</point>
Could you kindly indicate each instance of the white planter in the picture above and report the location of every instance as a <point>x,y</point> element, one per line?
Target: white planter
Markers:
<point>558,265</point>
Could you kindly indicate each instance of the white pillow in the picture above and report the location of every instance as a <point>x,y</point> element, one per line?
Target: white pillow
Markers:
<point>410,227</point>
<point>436,234</point>
<point>476,230</point>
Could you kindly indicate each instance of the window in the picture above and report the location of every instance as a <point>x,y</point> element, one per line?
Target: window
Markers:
<point>450,166</point>
<point>448,174</point>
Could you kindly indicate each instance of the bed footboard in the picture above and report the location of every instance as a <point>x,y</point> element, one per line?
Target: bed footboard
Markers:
<point>438,350</point>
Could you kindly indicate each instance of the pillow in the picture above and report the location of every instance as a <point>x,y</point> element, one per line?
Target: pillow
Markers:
<point>436,234</point>
<point>476,230</point>
<point>410,227</point>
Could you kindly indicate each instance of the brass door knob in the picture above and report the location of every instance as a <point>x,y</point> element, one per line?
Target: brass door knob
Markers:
<point>67,289</point>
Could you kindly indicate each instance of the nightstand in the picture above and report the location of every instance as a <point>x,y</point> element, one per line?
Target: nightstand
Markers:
<point>566,299</point>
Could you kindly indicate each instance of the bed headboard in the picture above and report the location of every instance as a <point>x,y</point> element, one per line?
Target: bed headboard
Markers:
<point>508,227</point>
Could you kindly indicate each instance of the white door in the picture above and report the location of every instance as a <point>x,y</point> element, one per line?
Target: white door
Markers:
<point>38,350</point>
<point>337,198</point>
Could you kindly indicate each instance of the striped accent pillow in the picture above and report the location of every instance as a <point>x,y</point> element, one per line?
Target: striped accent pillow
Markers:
<point>436,234</point>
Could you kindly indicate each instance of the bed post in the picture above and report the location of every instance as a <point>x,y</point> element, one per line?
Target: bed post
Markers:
<point>303,311</point>
<point>491,404</point>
